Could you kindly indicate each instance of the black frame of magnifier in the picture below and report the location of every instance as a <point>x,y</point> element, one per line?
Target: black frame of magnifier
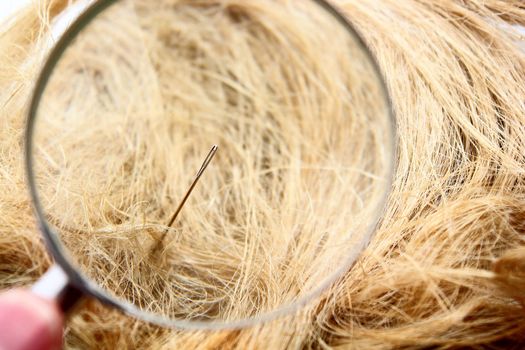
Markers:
<point>78,282</point>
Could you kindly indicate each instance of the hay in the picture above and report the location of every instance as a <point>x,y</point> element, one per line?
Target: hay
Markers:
<point>455,74</point>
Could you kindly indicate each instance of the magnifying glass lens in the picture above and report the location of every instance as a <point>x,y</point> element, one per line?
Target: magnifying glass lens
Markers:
<point>171,228</point>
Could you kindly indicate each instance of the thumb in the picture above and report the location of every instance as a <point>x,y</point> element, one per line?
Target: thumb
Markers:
<point>28,322</point>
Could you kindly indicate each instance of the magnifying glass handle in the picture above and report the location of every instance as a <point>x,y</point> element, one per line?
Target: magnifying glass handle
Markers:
<point>55,286</point>
<point>34,319</point>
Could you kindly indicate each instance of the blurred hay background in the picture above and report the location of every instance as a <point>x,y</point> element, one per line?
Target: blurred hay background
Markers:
<point>445,269</point>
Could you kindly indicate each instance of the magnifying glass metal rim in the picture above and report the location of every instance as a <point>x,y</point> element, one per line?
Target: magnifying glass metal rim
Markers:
<point>74,280</point>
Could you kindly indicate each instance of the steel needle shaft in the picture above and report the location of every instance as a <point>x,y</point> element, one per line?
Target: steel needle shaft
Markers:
<point>203,167</point>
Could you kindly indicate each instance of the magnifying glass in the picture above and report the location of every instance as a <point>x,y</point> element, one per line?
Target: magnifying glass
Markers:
<point>207,164</point>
